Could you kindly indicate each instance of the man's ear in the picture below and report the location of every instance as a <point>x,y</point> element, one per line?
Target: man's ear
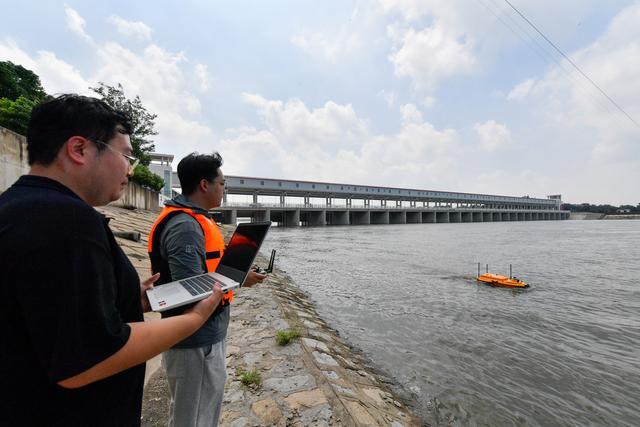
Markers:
<point>204,185</point>
<point>76,149</point>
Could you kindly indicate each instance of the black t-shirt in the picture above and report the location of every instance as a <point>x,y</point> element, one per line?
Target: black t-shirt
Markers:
<point>67,292</point>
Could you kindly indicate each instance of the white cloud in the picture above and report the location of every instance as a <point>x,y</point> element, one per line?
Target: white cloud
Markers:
<point>389,97</point>
<point>435,40</point>
<point>10,51</point>
<point>515,182</point>
<point>202,73</point>
<point>60,76</point>
<point>332,143</point>
<point>161,78</point>
<point>429,101</point>
<point>136,29</point>
<point>431,55</point>
<point>56,75</point>
<point>76,23</point>
<point>572,104</point>
<point>521,90</point>
<point>330,47</point>
<point>493,136</point>
<point>332,126</point>
<point>410,114</point>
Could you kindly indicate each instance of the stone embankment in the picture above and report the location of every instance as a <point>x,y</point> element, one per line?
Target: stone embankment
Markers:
<point>585,215</point>
<point>593,215</point>
<point>622,216</point>
<point>316,380</point>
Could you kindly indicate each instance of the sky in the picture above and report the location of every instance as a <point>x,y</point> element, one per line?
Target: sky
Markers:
<point>451,95</point>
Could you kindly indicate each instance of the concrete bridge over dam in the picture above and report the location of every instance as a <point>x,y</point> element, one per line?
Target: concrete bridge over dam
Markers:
<point>293,203</point>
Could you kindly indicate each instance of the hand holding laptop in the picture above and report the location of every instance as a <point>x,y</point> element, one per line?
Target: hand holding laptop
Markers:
<point>205,307</point>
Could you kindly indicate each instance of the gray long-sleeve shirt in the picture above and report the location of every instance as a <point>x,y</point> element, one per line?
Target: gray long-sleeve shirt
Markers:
<point>182,246</point>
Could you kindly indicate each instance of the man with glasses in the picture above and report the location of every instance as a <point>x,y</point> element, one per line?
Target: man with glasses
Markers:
<point>133,162</point>
<point>184,242</point>
<point>73,337</point>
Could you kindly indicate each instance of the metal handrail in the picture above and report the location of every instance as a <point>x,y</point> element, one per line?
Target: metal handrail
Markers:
<point>360,207</point>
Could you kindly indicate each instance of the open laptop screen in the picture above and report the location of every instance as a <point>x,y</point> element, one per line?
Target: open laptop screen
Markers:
<point>242,250</point>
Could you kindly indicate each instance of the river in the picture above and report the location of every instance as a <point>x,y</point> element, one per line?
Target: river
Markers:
<point>566,352</point>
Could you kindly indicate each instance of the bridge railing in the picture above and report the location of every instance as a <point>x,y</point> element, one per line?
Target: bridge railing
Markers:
<point>377,207</point>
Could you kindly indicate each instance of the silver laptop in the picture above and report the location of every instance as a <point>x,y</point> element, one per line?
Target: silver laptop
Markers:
<point>238,258</point>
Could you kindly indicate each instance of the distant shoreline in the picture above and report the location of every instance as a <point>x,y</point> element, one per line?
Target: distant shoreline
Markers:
<point>594,215</point>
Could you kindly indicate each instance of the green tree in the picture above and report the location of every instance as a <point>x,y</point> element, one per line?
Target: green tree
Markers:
<point>143,176</point>
<point>15,115</point>
<point>143,123</point>
<point>20,91</point>
<point>16,81</point>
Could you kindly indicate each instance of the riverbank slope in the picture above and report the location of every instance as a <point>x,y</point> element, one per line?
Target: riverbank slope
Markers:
<point>315,380</point>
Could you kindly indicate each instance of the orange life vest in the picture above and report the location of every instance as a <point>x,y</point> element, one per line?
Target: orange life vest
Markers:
<point>213,245</point>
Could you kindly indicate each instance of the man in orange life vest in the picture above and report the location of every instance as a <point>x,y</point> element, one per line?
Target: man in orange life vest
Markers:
<point>184,242</point>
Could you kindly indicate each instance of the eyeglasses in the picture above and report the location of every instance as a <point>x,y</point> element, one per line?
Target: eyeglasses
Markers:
<point>133,162</point>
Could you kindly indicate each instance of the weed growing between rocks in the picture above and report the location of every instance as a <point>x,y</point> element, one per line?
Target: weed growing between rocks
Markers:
<point>285,336</point>
<point>250,378</point>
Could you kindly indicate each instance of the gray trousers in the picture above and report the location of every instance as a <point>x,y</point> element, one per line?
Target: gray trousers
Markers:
<point>196,378</point>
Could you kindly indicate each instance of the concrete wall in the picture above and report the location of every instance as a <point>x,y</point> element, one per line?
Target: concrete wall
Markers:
<point>586,215</point>
<point>13,164</point>
<point>13,158</point>
<point>138,197</point>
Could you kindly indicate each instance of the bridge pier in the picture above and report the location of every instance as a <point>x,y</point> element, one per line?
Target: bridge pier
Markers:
<point>487,216</point>
<point>317,218</point>
<point>466,217</point>
<point>264,215</point>
<point>292,218</point>
<point>414,217</point>
<point>428,217</point>
<point>338,217</point>
<point>359,217</point>
<point>398,217</point>
<point>442,217</point>
<point>477,216</point>
<point>378,217</point>
<point>230,217</point>
<point>455,217</point>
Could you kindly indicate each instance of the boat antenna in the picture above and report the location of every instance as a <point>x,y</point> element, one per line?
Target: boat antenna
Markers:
<point>510,271</point>
<point>478,269</point>
<point>487,268</point>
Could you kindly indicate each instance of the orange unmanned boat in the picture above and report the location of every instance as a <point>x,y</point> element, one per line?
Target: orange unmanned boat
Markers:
<point>499,280</point>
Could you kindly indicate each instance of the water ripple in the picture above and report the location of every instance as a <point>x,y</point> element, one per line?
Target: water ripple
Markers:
<point>563,353</point>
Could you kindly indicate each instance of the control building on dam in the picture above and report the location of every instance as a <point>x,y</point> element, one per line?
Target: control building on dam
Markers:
<point>292,203</point>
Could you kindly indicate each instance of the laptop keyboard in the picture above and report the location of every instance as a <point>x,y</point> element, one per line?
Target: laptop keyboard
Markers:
<point>199,285</point>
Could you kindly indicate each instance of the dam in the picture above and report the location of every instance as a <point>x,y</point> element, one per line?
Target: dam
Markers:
<point>315,203</point>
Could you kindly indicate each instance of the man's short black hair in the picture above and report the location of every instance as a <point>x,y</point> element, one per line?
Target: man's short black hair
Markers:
<point>54,122</point>
<point>196,167</point>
